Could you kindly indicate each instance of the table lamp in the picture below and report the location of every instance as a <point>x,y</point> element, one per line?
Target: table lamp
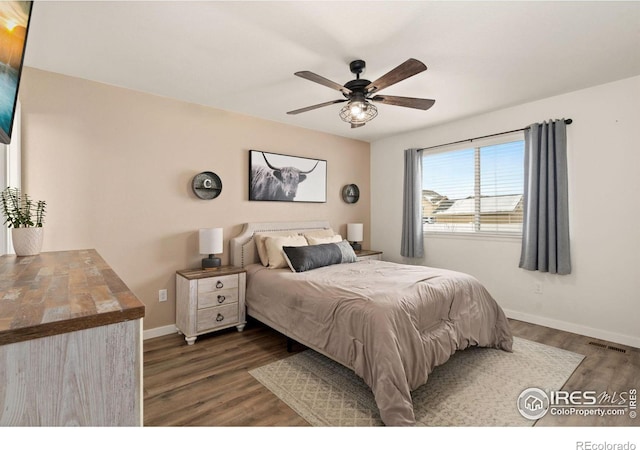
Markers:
<point>211,242</point>
<point>355,232</point>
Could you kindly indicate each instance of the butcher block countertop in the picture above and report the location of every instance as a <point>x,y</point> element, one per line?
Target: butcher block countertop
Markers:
<point>60,292</point>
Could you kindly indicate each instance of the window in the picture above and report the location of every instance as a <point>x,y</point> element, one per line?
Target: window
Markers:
<point>477,189</point>
<point>10,173</point>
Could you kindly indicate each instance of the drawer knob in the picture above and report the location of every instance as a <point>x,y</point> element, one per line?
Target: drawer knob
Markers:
<point>219,285</point>
<point>219,318</point>
<point>221,298</point>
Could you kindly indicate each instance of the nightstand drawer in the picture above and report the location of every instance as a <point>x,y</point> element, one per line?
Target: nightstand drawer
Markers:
<point>218,298</point>
<point>366,255</point>
<point>214,284</point>
<point>369,257</point>
<point>218,316</point>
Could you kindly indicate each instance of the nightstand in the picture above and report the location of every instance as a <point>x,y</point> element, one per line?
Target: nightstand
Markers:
<point>209,300</point>
<point>363,255</point>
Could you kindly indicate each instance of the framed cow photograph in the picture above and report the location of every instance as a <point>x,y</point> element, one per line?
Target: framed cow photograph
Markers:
<point>282,178</point>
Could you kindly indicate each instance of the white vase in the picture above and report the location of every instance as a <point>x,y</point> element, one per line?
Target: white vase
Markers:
<point>27,241</point>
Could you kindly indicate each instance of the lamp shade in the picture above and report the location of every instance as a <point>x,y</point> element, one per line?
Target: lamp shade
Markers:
<point>211,241</point>
<point>355,232</point>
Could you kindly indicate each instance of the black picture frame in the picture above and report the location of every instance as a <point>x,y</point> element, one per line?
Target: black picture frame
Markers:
<point>285,178</point>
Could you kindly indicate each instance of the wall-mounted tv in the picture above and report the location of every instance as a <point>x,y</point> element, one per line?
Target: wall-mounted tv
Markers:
<point>14,27</point>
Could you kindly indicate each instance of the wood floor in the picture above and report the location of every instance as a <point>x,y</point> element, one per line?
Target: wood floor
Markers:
<point>208,384</point>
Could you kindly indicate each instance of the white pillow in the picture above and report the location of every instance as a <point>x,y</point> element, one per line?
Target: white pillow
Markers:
<point>259,239</point>
<point>318,233</point>
<point>274,249</point>
<point>324,240</point>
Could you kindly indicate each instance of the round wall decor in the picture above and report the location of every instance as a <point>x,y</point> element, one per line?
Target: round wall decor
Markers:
<point>206,185</point>
<point>350,193</point>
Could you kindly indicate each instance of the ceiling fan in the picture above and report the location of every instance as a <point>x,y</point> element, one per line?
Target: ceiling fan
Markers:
<point>359,93</point>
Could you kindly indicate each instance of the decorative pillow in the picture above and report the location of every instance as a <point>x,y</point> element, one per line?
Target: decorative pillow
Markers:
<point>301,259</point>
<point>318,233</point>
<point>259,238</point>
<point>323,240</point>
<point>348,255</point>
<point>274,249</point>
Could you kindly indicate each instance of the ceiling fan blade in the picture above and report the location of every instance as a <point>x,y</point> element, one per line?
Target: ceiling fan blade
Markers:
<point>323,81</point>
<point>358,125</point>
<point>309,108</point>
<point>409,102</point>
<point>405,70</point>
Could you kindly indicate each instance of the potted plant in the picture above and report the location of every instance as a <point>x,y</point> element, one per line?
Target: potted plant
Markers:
<point>26,218</point>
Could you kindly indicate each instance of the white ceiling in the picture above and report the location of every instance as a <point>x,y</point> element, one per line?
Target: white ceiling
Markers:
<point>240,56</point>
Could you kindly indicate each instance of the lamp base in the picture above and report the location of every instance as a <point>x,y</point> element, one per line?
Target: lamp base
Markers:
<point>356,247</point>
<point>211,262</point>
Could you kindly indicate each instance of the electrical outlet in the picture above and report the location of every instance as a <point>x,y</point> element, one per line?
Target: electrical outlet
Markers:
<point>537,288</point>
<point>162,295</point>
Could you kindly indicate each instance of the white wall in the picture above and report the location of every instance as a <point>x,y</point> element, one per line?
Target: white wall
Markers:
<point>601,298</point>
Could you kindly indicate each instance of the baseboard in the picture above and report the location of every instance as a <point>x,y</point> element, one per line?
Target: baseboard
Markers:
<point>160,331</point>
<point>623,339</point>
<point>531,318</point>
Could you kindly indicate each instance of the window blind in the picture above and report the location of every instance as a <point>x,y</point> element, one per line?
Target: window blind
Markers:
<point>477,189</point>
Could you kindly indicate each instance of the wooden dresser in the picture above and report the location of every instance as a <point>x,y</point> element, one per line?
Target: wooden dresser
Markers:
<point>70,342</point>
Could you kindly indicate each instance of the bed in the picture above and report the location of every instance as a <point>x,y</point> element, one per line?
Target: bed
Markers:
<point>392,324</point>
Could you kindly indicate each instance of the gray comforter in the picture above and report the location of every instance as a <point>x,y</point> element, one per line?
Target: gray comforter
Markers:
<point>391,323</point>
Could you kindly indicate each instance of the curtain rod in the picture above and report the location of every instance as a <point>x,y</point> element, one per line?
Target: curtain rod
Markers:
<point>566,121</point>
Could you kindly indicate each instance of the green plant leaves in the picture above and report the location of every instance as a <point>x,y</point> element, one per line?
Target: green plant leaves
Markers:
<point>19,209</point>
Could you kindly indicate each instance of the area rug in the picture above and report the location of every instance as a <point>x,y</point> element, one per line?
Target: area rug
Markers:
<point>476,387</point>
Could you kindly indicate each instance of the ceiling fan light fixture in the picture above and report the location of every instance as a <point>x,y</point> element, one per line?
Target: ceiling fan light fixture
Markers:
<point>359,93</point>
<point>358,112</point>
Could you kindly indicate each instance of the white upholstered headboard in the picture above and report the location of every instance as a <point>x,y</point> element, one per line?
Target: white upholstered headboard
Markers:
<point>243,249</point>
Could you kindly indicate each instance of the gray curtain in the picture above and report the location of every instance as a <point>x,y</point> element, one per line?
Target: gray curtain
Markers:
<point>412,241</point>
<point>545,233</point>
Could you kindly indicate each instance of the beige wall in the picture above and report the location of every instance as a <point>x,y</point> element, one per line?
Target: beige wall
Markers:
<point>115,167</point>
